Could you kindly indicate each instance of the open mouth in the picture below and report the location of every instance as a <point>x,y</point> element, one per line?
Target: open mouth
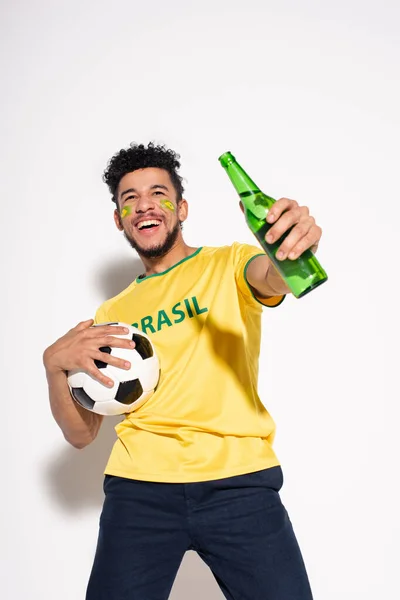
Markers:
<point>151,224</point>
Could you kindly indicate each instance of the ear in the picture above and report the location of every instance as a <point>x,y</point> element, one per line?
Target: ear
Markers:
<point>182,210</point>
<point>118,220</point>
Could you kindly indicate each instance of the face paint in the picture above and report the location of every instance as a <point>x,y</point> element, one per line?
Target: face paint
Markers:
<point>168,204</point>
<point>127,210</point>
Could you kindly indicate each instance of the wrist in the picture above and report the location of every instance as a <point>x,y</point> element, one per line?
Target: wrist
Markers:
<point>53,372</point>
<point>276,281</point>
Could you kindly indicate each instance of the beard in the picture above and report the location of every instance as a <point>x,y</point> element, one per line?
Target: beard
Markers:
<point>160,249</point>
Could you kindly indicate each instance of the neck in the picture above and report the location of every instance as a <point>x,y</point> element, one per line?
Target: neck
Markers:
<point>178,252</point>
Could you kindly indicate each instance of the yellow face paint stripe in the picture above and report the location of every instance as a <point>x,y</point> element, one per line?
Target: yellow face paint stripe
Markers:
<point>168,204</point>
<point>127,210</point>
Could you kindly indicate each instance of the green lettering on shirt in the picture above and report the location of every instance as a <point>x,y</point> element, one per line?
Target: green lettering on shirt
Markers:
<point>181,314</point>
<point>192,309</point>
<point>147,323</point>
<point>188,308</point>
<point>163,319</point>
<point>198,310</point>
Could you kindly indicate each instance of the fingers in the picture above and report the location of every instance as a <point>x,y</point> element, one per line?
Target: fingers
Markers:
<point>119,363</point>
<point>84,325</point>
<point>101,329</point>
<point>97,374</point>
<point>108,330</point>
<point>106,335</point>
<point>300,228</point>
<point>115,342</point>
<point>300,238</point>
<point>309,240</point>
<point>89,365</point>
<point>285,222</point>
<point>108,338</point>
<point>279,207</point>
<point>83,345</point>
<point>112,342</point>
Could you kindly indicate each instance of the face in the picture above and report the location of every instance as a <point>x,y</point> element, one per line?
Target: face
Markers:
<point>149,214</point>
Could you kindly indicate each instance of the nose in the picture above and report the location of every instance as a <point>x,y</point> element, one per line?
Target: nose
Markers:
<point>144,203</point>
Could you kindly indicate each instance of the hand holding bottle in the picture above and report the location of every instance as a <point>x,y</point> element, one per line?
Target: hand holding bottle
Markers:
<point>286,215</point>
<point>285,230</point>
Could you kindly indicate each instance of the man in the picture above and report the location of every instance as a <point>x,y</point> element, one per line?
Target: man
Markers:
<point>193,468</point>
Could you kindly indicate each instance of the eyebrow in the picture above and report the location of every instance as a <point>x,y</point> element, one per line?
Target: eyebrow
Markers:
<point>153,187</point>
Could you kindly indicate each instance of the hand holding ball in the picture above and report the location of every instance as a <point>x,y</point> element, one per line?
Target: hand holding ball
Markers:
<point>132,387</point>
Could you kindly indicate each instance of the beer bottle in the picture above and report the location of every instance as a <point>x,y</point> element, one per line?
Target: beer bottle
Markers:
<point>300,275</point>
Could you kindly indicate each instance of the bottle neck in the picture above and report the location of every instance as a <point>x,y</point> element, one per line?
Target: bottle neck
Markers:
<point>238,176</point>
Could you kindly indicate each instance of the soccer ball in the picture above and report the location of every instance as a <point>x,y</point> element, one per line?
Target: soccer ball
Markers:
<point>131,387</point>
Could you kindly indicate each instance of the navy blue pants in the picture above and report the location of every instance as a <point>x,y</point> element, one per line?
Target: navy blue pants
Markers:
<point>237,525</point>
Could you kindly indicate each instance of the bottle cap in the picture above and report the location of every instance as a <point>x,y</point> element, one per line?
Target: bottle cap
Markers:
<point>226,159</point>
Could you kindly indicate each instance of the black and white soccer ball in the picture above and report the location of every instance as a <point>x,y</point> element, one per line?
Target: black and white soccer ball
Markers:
<point>131,388</point>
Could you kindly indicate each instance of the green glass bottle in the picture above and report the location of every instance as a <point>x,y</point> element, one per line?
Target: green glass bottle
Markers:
<point>300,275</point>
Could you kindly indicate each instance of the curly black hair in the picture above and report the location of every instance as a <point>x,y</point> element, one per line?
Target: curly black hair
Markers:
<point>138,156</point>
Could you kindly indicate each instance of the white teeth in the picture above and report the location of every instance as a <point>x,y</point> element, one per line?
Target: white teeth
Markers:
<point>147,223</point>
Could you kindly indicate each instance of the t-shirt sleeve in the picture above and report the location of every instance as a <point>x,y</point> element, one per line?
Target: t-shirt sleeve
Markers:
<point>243,254</point>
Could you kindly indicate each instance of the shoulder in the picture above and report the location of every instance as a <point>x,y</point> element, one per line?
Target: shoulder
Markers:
<point>243,253</point>
<point>236,255</point>
<point>104,312</point>
<point>232,250</point>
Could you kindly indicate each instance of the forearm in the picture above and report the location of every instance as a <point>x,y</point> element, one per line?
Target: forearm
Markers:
<point>275,283</point>
<point>78,425</point>
<point>265,279</point>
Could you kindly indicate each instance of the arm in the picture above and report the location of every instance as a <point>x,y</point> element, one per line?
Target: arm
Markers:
<point>284,215</point>
<point>79,426</point>
<point>78,349</point>
<point>265,279</point>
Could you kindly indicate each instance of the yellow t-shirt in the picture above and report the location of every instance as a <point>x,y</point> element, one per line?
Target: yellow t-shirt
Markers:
<point>205,421</point>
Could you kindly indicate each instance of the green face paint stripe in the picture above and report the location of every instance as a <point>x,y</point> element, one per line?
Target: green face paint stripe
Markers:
<point>168,204</point>
<point>127,210</point>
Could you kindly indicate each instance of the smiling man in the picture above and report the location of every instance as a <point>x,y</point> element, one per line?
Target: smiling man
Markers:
<point>194,467</point>
<point>150,212</point>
